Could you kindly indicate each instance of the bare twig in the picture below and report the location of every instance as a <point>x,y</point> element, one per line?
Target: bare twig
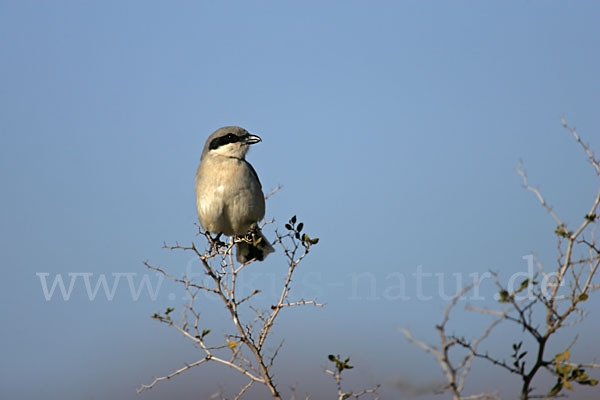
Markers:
<point>242,349</point>
<point>560,307</point>
<point>455,373</point>
<point>342,394</point>
<point>272,192</point>
<point>174,373</point>
<point>592,158</point>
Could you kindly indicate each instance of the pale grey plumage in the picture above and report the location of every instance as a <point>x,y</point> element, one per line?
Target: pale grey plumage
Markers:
<point>229,195</point>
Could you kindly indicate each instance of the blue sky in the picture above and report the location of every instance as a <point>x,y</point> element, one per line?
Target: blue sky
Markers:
<point>394,128</point>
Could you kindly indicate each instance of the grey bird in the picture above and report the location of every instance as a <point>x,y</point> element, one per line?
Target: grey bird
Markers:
<point>229,196</point>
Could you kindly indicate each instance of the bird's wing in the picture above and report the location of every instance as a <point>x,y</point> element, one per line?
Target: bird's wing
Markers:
<point>253,173</point>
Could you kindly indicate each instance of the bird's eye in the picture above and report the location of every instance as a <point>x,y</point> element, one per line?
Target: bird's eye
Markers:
<point>223,140</point>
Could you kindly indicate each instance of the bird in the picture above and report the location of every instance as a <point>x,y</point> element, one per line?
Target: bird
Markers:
<point>229,196</point>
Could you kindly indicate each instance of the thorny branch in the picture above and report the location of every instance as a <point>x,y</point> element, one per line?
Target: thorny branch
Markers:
<point>580,285</point>
<point>573,272</point>
<point>455,372</point>
<point>592,158</point>
<point>272,192</point>
<point>336,373</point>
<point>243,348</point>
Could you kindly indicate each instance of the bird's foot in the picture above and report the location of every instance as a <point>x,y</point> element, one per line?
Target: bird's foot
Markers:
<point>251,237</point>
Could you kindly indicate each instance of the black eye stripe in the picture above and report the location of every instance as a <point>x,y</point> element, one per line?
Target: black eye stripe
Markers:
<point>223,140</point>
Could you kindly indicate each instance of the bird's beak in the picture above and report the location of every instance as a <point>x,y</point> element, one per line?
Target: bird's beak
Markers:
<point>251,139</point>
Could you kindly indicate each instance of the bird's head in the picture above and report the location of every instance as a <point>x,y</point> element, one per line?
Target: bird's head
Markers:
<point>230,141</point>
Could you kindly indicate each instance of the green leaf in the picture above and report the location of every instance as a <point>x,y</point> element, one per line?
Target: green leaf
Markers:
<point>578,373</point>
<point>314,241</point>
<point>293,220</point>
<point>523,285</point>
<point>583,297</point>
<point>561,231</point>
<point>288,227</point>
<point>556,389</point>
<point>504,296</point>
<point>582,378</point>
<point>590,382</point>
<point>205,332</point>
<point>591,217</point>
<point>517,346</point>
<point>331,357</point>
<point>169,310</point>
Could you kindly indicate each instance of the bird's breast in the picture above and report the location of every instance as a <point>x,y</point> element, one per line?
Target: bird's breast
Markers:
<point>229,196</point>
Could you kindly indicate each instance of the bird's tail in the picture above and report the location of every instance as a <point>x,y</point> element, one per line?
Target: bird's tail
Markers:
<point>253,246</point>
